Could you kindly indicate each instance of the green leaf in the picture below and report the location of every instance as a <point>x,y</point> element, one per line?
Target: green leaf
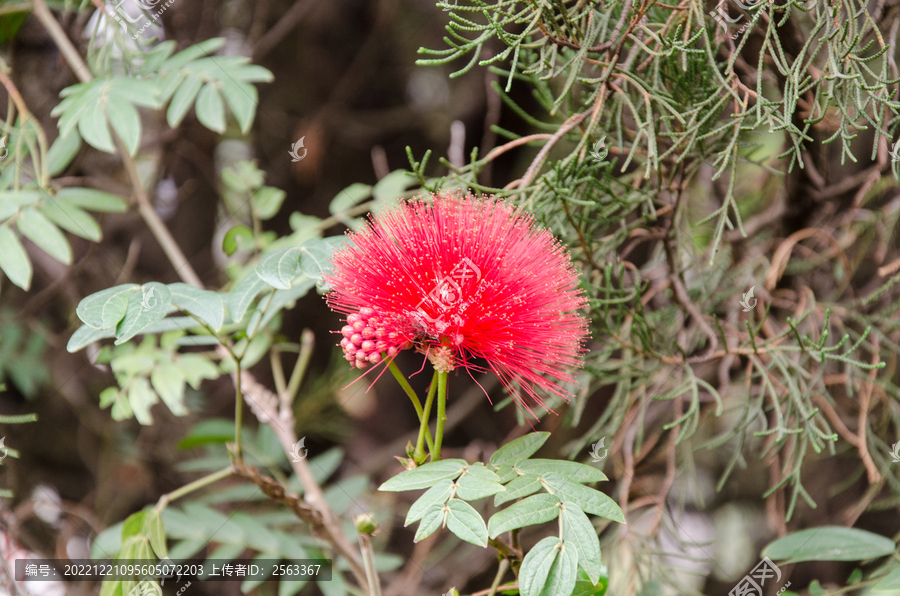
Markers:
<point>62,152</point>
<point>93,200</point>
<point>182,324</point>
<point>72,219</point>
<point>436,495</point>
<point>93,128</point>
<point>889,583</point>
<point>211,109</point>
<point>134,363</point>
<point>45,235</point>
<point>580,533</point>
<point>315,260</point>
<point>93,105</point>
<point>520,449</point>
<point>86,335</point>
<point>477,482</point>
<point>121,408</point>
<point>155,531</point>
<point>244,177</point>
<point>506,474</point>
<point>392,186</point>
<point>267,201</point>
<point>588,499</point>
<point>108,397</point>
<point>431,521</point>
<point>195,368</point>
<point>237,237</point>
<point>145,307</point>
<point>549,569</point>
<point>206,305</point>
<point>466,523</point>
<point>168,382</point>
<point>585,587</point>
<point>141,398</point>
<point>574,471</point>
<point>425,476</point>
<point>242,98</point>
<point>107,542</point>
<point>520,487</point>
<point>126,122</point>
<point>132,525</point>
<point>829,543</point>
<point>243,294</point>
<point>12,201</point>
<point>349,197</point>
<point>208,432</point>
<point>13,259</point>
<point>527,512</point>
<point>111,588</point>
<point>300,222</point>
<point>183,100</point>
<point>104,309</point>
<point>279,268</point>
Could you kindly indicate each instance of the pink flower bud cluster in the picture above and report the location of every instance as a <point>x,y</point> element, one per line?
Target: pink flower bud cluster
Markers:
<point>369,337</point>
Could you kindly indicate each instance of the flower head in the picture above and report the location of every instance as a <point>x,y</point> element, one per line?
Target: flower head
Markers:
<point>459,278</point>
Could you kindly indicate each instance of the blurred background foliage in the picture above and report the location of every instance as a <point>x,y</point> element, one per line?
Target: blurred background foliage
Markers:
<point>731,202</point>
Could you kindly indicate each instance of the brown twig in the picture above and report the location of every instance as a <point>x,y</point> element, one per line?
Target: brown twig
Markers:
<point>538,161</point>
<point>275,491</point>
<point>265,406</point>
<point>863,423</point>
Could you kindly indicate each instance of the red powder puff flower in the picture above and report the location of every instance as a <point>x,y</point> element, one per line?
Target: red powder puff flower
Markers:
<point>462,278</point>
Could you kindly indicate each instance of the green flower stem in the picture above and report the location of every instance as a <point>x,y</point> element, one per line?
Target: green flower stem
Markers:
<point>424,433</point>
<point>441,414</point>
<point>307,341</point>
<point>501,571</point>
<point>368,559</point>
<point>414,399</point>
<point>195,485</point>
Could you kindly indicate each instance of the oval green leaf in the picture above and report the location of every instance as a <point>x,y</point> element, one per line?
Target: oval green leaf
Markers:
<point>527,512</point>
<point>13,259</point>
<point>425,476</point>
<point>466,523</point>
<point>520,449</point>
<point>40,230</point>
<point>829,543</point>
